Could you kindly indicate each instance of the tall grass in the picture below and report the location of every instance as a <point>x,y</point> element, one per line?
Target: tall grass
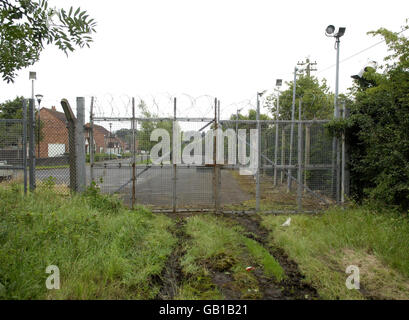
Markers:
<point>103,251</point>
<point>320,243</point>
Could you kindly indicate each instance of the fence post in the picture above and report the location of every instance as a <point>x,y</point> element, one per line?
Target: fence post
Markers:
<point>276,142</point>
<point>258,155</point>
<point>347,166</point>
<point>69,115</point>
<point>91,141</point>
<point>215,172</point>
<point>25,144</point>
<point>282,153</point>
<point>219,173</point>
<point>307,147</point>
<point>31,133</point>
<point>133,155</point>
<point>174,158</point>
<point>299,173</point>
<point>80,145</point>
<point>292,131</point>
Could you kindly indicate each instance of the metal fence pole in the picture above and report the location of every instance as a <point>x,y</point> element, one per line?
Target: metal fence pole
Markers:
<point>218,167</point>
<point>276,141</point>
<point>91,141</point>
<point>346,168</point>
<point>258,155</point>
<point>174,158</point>
<point>215,176</point>
<point>282,153</point>
<point>292,130</point>
<point>69,115</point>
<point>299,173</point>
<point>307,148</point>
<point>133,155</point>
<point>25,144</point>
<point>80,144</point>
<point>343,160</point>
<point>31,153</point>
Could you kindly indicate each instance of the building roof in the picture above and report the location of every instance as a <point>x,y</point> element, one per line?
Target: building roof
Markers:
<point>57,114</point>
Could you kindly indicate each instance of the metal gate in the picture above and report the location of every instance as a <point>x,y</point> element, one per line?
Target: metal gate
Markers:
<point>296,168</point>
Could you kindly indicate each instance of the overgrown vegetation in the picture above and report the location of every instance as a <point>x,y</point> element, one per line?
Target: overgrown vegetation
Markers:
<point>324,245</point>
<point>103,250</point>
<point>377,130</point>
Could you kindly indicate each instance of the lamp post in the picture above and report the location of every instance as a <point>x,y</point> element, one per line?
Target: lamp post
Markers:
<point>39,97</point>
<point>330,32</point>
<point>279,82</point>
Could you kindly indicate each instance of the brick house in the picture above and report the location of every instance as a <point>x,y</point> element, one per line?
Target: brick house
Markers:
<point>103,143</point>
<point>54,136</point>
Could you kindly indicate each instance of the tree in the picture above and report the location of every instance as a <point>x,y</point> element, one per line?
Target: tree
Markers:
<point>12,109</point>
<point>317,101</point>
<point>26,26</point>
<point>377,130</point>
<point>147,127</point>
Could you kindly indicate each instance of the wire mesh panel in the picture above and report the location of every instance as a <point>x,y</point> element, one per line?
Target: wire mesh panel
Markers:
<point>52,150</point>
<point>11,150</point>
<point>180,161</point>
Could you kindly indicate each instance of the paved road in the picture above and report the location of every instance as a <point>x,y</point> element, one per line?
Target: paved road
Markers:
<point>155,185</point>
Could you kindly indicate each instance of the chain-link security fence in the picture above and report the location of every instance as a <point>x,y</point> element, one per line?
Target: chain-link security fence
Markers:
<point>294,169</point>
<point>13,150</point>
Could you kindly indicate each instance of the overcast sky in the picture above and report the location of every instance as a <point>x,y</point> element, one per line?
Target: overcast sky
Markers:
<point>228,49</point>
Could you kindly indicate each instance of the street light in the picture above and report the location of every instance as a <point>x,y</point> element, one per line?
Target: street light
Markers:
<point>330,32</point>
<point>39,97</point>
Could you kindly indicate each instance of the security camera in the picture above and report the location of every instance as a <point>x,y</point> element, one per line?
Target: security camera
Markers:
<point>369,65</point>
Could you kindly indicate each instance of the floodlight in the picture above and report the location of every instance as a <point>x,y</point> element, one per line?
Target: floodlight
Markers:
<point>32,76</point>
<point>330,30</point>
<point>279,82</point>
<point>341,32</point>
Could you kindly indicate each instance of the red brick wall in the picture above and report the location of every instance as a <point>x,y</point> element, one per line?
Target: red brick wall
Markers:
<point>53,131</point>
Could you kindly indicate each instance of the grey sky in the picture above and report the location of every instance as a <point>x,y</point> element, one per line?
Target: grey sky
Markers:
<point>228,49</point>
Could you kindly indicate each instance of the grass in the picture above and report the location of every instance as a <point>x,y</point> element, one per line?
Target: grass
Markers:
<point>272,198</point>
<point>263,257</point>
<point>103,251</point>
<point>62,166</point>
<point>324,245</point>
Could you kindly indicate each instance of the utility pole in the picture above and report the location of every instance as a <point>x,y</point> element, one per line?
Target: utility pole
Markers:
<point>309,66</point>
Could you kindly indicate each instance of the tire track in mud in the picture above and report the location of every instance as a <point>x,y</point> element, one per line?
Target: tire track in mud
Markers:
<point>171,277</point>
<point>293,286</point>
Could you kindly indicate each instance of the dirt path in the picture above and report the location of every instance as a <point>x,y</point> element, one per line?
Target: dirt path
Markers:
<point>293,287</point>
<point>172,275</point>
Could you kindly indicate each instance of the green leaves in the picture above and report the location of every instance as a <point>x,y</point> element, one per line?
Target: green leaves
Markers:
<point>378,133</point>
<point>25,27</point>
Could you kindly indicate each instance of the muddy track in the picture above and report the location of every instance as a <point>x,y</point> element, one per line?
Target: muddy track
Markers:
<point>172,275</point>
<point>293,287</point>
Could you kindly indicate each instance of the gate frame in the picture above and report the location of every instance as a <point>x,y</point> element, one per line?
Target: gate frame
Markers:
<point>286,169</point>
